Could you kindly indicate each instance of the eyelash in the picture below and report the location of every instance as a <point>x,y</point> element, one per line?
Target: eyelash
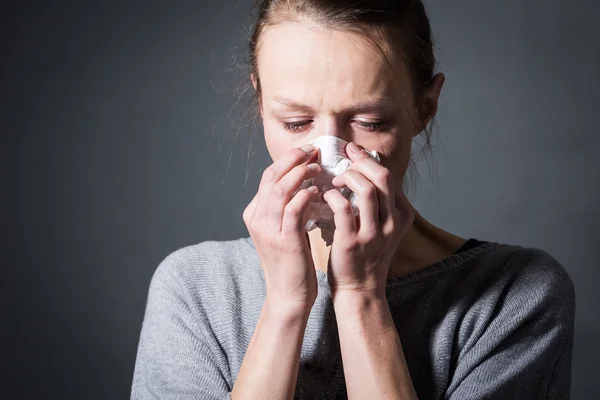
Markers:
<point>294,126</point>
<point>370,126</point>
<point>374,126</point>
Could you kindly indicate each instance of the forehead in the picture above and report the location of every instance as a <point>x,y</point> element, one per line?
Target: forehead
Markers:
<point>322,65</point>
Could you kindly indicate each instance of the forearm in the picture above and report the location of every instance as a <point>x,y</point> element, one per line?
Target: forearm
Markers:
<point>270,366</point>
<point>374,364</point>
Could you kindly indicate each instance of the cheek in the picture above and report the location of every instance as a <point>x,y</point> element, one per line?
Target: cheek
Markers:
<point>276,139</point>
<point>399,162</point>
<point>395,153</point>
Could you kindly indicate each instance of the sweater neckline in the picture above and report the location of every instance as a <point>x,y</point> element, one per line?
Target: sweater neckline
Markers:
<point>453,261</point>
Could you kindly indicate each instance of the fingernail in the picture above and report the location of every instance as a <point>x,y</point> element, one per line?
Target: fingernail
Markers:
<point>313,189</point>
<point>354,148</point>
<point>308,148</point>
<point>313,166</point>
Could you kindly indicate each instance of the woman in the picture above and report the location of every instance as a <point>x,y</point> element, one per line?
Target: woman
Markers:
<point>395,307</point>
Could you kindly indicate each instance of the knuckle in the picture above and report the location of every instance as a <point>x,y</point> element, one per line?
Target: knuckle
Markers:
<point>300,170</point>
<point>278,191</point>
<point>268,174</point>
<point>406,214</point>
<point>383,175</point>
<point>246,216</point>
<point>300,197</point>
<point>351,244</point>
<point>298,154</point>
<point>248,212</point>
<point>345,206</point>
<point>292,210</point>
<point>369,192</point>
<point>254,232</point>
<point>365,157</point>
<point>307,193</point>
<point>307,171</point>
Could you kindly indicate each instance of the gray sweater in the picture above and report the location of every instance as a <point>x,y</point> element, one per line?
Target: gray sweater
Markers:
<point>493,322</point>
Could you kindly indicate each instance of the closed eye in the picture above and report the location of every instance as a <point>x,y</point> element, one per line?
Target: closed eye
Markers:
<point>295,126</point>
<point>373,126</point>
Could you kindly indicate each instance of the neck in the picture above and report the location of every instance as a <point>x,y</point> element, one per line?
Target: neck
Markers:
<point>422,245</point>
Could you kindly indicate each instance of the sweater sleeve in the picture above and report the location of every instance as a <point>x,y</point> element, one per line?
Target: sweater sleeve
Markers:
<point>177,356</point>
<point>522,349</point>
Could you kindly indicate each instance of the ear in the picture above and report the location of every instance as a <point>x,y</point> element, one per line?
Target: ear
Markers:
<point>431,98</point>
<point>254,81</point>
<point>255,85</point>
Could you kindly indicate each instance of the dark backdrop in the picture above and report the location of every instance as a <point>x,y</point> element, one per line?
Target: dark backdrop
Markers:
<point>118,148</point>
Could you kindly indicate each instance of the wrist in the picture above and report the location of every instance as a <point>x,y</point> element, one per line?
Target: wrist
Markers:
<point>364,310</point>
<point>286,309</point>
<point>354,300</point>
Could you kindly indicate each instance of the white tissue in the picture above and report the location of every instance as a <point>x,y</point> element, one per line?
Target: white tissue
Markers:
<point>333,161</point>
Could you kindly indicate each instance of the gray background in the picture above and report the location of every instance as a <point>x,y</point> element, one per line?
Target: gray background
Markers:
<point>117,149</point>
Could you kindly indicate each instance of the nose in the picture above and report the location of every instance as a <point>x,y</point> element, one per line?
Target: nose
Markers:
<point>335,126</point>
<point>332,149</point>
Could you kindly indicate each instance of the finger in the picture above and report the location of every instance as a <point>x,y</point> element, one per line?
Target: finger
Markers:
<point>343,216</point>
<point>250,209</point>
<point>380,176</point>
<point>368,200</point>
<point>356,152</point>
<point>274,172</point>
<point>284,190</point>
<point>294,217</point>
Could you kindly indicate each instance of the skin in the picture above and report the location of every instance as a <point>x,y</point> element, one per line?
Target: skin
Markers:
<point>321,81</point>
<point>334,70</point>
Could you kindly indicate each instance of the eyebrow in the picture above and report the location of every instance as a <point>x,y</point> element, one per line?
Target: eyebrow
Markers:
<point>375,104</point>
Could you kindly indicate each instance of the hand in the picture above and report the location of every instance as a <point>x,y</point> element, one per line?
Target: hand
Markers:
<point>363,246</point>
<point>275,220</point>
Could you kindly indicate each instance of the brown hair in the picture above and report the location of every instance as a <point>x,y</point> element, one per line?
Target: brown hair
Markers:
<point>396,28</point>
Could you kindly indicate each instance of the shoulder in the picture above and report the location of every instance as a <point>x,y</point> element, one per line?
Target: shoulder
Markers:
<point>531,273</point>
<point>208,268</point>
<point>515,328</point>
<point>516,284</point>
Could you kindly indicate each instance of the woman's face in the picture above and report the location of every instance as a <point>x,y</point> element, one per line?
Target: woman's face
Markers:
<point>317,81</point>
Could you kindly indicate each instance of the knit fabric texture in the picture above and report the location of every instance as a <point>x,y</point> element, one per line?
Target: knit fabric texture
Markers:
<point>493,322</point>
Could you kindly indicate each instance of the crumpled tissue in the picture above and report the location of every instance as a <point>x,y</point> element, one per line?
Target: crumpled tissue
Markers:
<point>333,161</point>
